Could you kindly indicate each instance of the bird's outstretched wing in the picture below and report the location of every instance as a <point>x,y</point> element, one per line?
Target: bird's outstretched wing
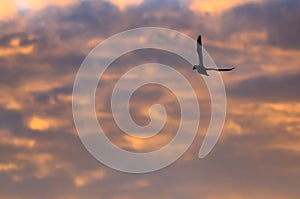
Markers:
<point>199,50</point>
<point>225,69</point>
<point>220,69</point>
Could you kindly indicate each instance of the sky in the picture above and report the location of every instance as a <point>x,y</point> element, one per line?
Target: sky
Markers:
<point>42,45</point>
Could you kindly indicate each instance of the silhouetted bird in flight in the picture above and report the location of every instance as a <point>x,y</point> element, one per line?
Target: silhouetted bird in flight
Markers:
<point>200,68</point>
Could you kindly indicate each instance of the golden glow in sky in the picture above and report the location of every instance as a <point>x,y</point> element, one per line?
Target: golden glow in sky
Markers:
<point>217,6</point>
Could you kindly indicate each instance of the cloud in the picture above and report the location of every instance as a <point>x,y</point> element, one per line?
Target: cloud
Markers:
<point>216,6</point>
<point>262,88</point>
<point>278,18</point>
<point>11,120</point>
<point>12,9</point>
<point>122,4</point>
<point>8,167</point>
<point>231,127</point>
<point>37,123</point>
<point>88,177</point>
<point>20,142</point>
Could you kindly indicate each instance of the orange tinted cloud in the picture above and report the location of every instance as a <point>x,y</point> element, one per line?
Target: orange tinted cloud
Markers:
<point>18,142</point>
<point>9,139</point>
<point>22,50</point>
<point>7,9</point>
<point>10,9</point>
<point>37,123</point>
<point>15,49</point>
<point>44,123</point>
<point>231,127</point>
<point>88,177</point>
<point>8,167</point>
<point>216,6</point>
<point>123,4</point>
<point>287,113</point>
<point>44,163</point>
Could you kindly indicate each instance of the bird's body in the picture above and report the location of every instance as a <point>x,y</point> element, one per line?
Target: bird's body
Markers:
<point>200,67</point>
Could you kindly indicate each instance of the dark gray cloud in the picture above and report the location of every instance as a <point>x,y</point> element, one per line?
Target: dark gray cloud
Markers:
<point>45,97</point>
<point>279,18</point>
<point>11,120</point>
<point>268,88</point>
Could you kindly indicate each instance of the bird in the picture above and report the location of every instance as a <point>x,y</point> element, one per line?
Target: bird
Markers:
<point>200,67</point>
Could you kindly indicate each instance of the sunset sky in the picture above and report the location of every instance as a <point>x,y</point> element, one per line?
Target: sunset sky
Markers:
<point>42,45</point>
